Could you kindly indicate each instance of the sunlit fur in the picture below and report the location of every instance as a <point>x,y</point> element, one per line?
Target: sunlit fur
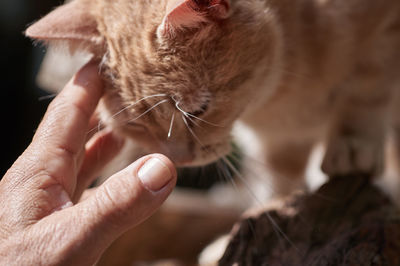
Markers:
<point>211,65</point>
<point>296,72</point>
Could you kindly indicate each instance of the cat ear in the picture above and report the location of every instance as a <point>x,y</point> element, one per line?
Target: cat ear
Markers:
<point>72,23</point>
<point>190,13</point>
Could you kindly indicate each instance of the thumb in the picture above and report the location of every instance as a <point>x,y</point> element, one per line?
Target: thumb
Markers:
<point>128,197</point>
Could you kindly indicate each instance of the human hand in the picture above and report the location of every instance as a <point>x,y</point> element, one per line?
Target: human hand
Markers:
<point>40,221</point>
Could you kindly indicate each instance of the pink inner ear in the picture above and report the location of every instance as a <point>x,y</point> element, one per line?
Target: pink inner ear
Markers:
<point>190,13</point>
<point>68,22</point>
<point>173,4</point>
<point>181,14</point>
<point>220,8</point>
<point>217,9</point>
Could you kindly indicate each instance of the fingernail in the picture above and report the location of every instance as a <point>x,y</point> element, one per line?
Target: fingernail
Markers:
<point>154,174</point>
<point>88,75</point>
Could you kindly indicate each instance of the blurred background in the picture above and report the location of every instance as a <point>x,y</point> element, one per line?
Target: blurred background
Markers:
<point>21,105</point>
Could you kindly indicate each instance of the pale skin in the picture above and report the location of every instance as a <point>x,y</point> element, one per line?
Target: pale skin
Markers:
<point>44,219</point>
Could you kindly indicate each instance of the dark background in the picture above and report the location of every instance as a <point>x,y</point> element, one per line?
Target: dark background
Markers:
<point>21,110</point>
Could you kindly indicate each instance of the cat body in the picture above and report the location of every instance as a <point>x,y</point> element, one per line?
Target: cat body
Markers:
<point>340,77</point>
<point>179,73</point>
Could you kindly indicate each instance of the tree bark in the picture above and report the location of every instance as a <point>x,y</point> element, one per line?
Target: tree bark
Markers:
<point>348,221</point>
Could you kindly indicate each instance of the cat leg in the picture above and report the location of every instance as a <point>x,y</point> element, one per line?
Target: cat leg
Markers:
<point>287,162</point>
<point>356,139</point>
<point>272,160</point>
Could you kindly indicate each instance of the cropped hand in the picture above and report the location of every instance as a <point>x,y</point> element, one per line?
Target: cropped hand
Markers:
<point>42,218</point>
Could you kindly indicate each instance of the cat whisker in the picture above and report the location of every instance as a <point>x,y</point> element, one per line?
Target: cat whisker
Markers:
<point>191,131</point>
<point>148,110</point>
<point>213,151</point>
<point>98,127</point>
<point>171,124</point>
<point>180,109</point>
<point>228,175</point>
<point>187,114</point>
<point>135,103</point>
<point>221,175</point>
<point>255,175</point>
<point>204,121</point>
<point>223,158</point>
<point>268,183</point>
<point>252,172</point>
<point>194,122</point>
<point>265,165</point>
<point>242,179</point>
<point>275,226</point>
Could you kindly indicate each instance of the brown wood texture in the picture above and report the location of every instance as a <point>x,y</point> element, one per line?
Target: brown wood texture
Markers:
<point>347,221</point>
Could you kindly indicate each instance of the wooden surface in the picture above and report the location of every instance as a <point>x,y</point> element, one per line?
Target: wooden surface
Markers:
<point>346,222</point>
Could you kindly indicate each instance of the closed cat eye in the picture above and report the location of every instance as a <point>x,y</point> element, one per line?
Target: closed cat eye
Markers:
<point>202,109</point>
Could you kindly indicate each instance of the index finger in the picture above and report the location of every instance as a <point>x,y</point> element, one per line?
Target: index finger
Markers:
<point>61,135</point>
<point>66,120</point>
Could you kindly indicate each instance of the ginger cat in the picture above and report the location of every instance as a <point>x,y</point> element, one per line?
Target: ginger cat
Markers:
<point>179,73</point>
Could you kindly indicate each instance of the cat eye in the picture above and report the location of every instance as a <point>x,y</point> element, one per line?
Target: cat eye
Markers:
<point>202,109</point>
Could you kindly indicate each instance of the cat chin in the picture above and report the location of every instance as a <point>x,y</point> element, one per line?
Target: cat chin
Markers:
<point>195,163</point>
<point>204,158</point>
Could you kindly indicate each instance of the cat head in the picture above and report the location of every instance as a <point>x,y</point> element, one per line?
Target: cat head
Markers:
<point>178,73</point>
